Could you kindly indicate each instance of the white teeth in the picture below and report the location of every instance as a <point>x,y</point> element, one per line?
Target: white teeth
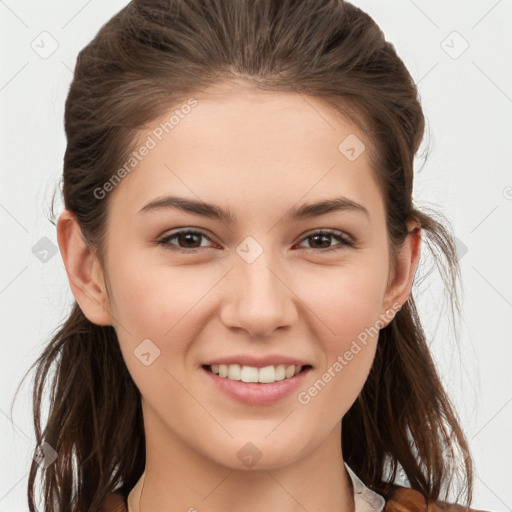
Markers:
<point>280,372</point>
<point>267,374</point>
<point>249,374</point>
<point>264,375</point>
<point>234,372</point>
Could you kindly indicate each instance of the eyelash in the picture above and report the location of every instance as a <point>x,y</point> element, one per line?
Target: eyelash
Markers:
<point>345,240</point>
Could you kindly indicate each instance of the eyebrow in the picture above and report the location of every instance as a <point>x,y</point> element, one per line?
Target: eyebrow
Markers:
<point>212,211</point>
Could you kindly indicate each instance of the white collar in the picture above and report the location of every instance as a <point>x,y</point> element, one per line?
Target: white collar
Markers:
<point>365,499</point>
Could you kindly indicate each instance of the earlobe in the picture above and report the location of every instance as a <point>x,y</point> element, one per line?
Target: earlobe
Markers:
<point>403,276</point>
<point>84,271</point>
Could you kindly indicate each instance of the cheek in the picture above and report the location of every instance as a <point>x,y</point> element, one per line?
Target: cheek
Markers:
<point>346,302</point>
<point>149,299</point>
<point>165,305</point>
<point>348,353</point>
<point>155,322</point>
<point>347,307</point>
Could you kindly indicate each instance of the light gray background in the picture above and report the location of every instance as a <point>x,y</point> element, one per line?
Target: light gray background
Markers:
<point>467,99</point>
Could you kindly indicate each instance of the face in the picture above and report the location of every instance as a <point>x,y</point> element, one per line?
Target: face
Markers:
<point>186,289</point>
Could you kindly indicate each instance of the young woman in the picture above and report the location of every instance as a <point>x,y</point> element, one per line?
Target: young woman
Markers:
<point>241,241</point>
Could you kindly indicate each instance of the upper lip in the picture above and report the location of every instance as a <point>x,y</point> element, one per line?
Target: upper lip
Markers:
<point>258,362</point>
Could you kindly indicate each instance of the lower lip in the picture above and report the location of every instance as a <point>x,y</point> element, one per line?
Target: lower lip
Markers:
<point>255,392</point>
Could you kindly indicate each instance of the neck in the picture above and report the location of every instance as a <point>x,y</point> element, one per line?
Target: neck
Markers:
<point>185,480</point>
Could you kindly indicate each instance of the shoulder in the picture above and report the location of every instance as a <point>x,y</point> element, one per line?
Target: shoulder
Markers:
<point>114,502</point>
<point>404,499</point>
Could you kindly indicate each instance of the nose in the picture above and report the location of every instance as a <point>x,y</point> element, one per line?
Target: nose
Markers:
<point>259,297</point>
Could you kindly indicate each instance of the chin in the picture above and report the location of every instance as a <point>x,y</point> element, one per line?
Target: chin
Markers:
<point>253,456</point>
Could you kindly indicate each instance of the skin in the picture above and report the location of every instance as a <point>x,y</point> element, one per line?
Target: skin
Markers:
<point>259,154</point>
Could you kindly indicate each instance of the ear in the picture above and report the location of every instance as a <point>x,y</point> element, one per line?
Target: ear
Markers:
<point>401,277</point>
<point>84,271</point>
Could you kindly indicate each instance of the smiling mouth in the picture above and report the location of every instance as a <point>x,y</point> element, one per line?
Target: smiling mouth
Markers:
<point>265,375</point>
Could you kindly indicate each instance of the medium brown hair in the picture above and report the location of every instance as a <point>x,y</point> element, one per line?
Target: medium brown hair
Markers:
<point>154,54</point>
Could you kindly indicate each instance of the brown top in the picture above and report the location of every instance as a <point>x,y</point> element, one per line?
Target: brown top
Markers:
<point>403,499</point>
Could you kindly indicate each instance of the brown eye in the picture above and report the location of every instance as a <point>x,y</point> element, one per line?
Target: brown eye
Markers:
<point>321,240</point>
<point>187,240</point>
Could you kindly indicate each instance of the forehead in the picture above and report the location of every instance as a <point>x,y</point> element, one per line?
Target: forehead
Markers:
<point>241,145</point>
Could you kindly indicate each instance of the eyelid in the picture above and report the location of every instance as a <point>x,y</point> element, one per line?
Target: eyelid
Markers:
<point>328,231</point>
<point>346,240</point>
<point>164,239</point>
